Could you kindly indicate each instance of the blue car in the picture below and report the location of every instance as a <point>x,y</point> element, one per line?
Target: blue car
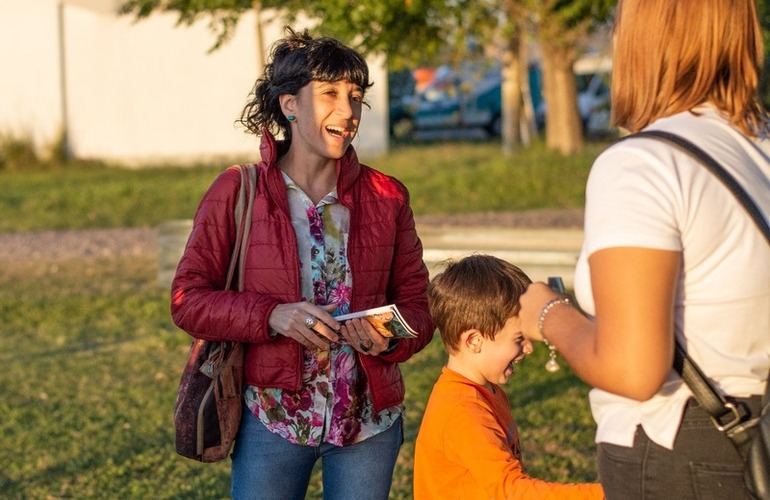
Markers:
<point>454,101</point>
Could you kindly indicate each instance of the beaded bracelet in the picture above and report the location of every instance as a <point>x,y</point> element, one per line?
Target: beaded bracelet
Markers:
<point>552,365</point>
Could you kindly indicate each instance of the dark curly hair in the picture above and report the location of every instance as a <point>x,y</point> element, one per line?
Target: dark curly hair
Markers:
<point>295,61</point>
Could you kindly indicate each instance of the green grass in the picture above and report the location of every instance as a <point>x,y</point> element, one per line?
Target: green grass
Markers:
<point>96,196</point>
<point>477,177</point>
<point>91,359</point>
<point>442,178</point>
<point>90,370</point>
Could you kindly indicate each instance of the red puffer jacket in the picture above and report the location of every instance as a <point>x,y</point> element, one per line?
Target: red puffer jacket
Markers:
<point>384,253</point>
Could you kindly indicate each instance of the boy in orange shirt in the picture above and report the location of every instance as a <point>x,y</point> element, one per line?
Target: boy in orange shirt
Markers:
<point>468,443</point>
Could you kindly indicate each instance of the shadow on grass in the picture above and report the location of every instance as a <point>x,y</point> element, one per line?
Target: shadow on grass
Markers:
<point>80,348</point>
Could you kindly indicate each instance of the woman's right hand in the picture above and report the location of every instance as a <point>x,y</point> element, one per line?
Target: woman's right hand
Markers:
<point>311,325</point>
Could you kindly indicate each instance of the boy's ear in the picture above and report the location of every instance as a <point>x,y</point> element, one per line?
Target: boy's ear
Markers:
<point>471,340</point>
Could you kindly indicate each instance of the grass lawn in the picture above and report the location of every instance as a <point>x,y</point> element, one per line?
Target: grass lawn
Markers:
<point>91,360</point>
<point>442,178</point>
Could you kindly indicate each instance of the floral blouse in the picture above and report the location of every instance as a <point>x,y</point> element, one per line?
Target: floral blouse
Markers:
<point>334,405</point>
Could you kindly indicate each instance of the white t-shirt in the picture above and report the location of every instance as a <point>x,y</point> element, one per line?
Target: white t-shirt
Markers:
<point>646,193</point>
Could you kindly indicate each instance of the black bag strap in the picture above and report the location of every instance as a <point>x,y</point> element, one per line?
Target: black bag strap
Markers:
<point>724,413</point>
<point>715,168</point>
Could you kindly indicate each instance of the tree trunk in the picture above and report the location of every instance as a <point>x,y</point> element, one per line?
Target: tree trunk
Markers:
<point>527,121</point>
<point>563,128</point>
<point>518,118</point>
<point>511,100</point>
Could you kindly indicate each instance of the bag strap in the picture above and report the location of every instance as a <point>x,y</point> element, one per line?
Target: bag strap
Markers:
<point>725,414</point>
<point>244,205</point>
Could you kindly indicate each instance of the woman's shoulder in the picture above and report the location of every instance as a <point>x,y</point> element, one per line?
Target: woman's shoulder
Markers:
<point>381,183</point>
<point>225,184</point>
<point>702,126</point>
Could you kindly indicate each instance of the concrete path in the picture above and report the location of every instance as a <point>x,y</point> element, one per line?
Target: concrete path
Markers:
<point>538,252</point>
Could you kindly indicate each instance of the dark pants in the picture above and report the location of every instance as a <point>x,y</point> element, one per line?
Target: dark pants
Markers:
<point>703,464</point>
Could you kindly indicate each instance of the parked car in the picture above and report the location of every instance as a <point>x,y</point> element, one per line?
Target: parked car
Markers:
<point>473,99</point>
<point>456,102</point>
<point>401,90</point>
<point>453,100</point>
<point>592,76</point>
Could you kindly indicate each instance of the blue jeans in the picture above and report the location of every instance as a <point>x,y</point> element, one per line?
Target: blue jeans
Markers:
<point>267,466</point>
<point>703,465</point>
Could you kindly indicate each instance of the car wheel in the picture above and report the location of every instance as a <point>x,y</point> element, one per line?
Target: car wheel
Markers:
<point>495,128</point>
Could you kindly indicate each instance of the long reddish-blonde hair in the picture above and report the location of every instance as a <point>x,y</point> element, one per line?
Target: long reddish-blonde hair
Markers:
<point>673,55</point>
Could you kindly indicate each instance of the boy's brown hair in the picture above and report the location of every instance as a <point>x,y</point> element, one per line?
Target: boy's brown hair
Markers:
<point>477,292</point>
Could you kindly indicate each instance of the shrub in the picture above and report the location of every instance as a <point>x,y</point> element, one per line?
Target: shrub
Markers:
<point>17,153</point>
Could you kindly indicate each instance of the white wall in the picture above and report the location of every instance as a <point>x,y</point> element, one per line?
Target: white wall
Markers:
<point>146,92</point>
<point>374,138</point>
<point>30,104</point>
<point>150,92</point>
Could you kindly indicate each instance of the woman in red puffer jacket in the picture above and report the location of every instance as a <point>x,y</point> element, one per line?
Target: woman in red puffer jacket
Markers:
<point>328,236</point>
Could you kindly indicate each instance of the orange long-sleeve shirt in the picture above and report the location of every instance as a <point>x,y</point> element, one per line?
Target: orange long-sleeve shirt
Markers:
<point>468,448</point>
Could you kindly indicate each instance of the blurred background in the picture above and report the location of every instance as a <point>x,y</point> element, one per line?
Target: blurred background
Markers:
<point>147,82</point>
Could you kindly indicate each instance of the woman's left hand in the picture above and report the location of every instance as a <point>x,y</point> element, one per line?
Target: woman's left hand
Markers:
<point>362,336</point>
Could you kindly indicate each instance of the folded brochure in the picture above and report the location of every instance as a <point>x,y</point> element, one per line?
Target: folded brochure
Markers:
<point>386,319</point>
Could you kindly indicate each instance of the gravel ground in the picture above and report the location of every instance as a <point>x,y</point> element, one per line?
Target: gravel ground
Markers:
<point>106,243</point>
<point>92,243</point>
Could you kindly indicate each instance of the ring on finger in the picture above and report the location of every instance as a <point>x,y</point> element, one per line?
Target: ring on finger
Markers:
<point>311,321</point>
<point>365,344</point>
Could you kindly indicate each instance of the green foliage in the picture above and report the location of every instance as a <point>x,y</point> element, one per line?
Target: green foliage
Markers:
<point>17,153</point>
<point>573,12</point>
<point>434,28</point>
<point>566,22</point>
<point>90,370</point>
<point>223,15</point>
<point>370,26</point>
<point>442,178</point>
<point>764,83</point>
